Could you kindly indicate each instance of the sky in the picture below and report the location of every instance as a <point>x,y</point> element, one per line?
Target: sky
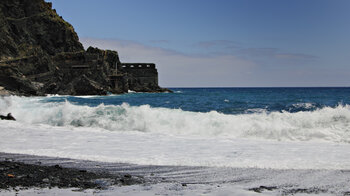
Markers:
<point>222,43</point>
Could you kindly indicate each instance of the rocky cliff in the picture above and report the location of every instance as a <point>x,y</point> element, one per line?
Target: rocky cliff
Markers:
<point>40,54</point>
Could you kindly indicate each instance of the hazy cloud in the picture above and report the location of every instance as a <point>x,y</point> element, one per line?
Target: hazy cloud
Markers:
<point>254,54</point>
<point>160,41</point>
<point>274,53</point>
<point>296,56</point>
<point>257,52</point>
<point>249,67</point>
<point>224,44</point>
<point>178,69</point>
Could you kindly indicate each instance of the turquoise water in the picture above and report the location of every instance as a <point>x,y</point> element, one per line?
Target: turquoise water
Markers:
<point>226,100</point>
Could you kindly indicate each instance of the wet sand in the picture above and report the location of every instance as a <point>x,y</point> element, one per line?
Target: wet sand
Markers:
<point>15,173</point>
<point>164,180</point>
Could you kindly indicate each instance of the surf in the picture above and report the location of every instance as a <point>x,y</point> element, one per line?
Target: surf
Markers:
<point>329,124</point>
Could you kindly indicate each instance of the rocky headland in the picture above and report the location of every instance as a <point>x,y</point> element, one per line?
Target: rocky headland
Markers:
<point>40,54</point>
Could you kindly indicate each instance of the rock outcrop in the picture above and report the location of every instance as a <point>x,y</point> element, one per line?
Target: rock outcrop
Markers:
<point>7,117</point>
<point>40,54</point>
<point>32,27</point>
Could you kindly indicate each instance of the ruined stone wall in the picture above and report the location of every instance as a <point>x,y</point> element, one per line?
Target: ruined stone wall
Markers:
<point>144,74</point>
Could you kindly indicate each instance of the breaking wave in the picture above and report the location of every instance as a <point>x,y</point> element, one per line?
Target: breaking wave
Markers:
<point>304,105</point>
<point>330,124</point>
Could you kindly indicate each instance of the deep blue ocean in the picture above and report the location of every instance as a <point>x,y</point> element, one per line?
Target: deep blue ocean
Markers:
<point>226,100</point>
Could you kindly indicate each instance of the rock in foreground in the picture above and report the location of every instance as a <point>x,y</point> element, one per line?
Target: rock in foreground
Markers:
<point>15,174</point>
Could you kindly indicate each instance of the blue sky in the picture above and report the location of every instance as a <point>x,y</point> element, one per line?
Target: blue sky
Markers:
<point>222,43</point>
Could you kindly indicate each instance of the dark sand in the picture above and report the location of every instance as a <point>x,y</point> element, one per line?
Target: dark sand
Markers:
<point>16,174</point>
<point>28,171</point>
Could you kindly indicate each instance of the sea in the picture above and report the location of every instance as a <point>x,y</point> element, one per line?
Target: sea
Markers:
<point>216,140</point>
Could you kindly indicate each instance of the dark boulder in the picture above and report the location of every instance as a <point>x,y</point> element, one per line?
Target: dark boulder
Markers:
<point>8,117</point>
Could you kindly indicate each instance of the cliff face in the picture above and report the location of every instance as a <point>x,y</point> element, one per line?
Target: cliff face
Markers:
<point>31,27</point>
<point>40,53</point>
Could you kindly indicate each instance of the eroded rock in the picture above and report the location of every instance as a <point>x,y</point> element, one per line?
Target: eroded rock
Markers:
<point>40,54</point>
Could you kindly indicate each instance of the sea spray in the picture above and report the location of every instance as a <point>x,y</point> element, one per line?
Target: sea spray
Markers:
<point>330,124</point>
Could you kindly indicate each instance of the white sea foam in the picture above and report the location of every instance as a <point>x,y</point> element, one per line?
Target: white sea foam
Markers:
<point>158,149</point>
<point>54,95</point>
<point>256,110</point>
<point>85,96</point>
<point>161,136</point>
<point>326,124</point>
<point>304,105</point>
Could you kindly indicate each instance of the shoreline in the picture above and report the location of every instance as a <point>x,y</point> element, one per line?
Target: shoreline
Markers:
<point>16,173</point>
<point>112,177</point>
<point>7,93</point>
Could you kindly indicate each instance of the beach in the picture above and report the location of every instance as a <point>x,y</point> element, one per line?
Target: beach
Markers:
<point>240,141</point>
<point>164,180</point>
